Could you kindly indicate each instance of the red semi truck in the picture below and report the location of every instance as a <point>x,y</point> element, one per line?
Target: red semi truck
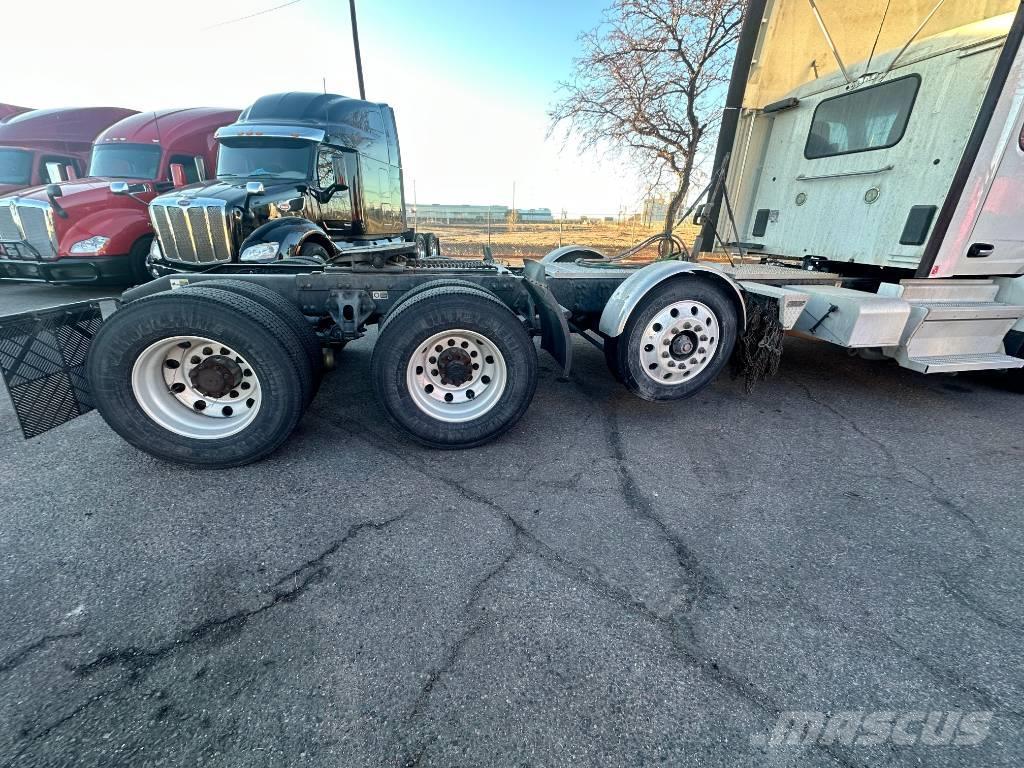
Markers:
<point>97,229</point>
<point>44,146</point>
<point>8,111</point>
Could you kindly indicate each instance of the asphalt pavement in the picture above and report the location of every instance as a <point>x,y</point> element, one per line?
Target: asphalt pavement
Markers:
<point>613,583</point>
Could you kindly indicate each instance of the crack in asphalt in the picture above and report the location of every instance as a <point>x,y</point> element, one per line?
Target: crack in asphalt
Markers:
<point>15,659</point>
<point>677,630</point>
<point>139,661</point>
<point>952,580</point>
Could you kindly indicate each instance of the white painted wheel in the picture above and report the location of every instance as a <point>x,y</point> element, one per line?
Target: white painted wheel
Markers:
<point>456,375</point>
<point>679,342</point>
<point>196,387</point>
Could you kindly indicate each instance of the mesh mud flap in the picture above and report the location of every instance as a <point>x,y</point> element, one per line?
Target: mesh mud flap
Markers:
<point>42,359</point>
<point>758,351</point>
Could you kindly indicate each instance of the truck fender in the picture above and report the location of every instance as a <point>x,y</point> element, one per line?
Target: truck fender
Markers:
<point>555,336</point>
<point>124,227</point>
<point>632,290</point>
<point>290,233</point>
<point>569,253</point>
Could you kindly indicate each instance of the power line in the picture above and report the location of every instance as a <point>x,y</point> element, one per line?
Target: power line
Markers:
<point>253,15</point>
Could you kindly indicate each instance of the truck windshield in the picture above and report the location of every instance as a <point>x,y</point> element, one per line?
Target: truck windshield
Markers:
<point>274,158</point>
<point>15,166</point>
<point>125,161</point>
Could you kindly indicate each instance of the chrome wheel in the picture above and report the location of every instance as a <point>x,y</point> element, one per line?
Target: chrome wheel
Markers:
<point>679,342</point>
<point>196,387</point>
<point>456,375</point>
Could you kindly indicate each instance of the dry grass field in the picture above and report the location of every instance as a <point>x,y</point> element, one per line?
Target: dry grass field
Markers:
<point>514,243</point>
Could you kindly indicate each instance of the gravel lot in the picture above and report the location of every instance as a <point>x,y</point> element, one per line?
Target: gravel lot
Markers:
<point>612,583</point>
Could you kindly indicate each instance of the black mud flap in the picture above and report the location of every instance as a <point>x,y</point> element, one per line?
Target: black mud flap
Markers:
<point>42,359</point>
<point>555,336</point>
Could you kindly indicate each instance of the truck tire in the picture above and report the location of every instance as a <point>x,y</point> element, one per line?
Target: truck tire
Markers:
<point>611,358</point>
<point>454,368</point>
<point>420,240</point>
<point>137,258</point>
<point>677,340</point>
<point>236,405</point>
<point>445,282</point>
<point>288,313</point>
<point>433,246</point>
<point>314,251</point>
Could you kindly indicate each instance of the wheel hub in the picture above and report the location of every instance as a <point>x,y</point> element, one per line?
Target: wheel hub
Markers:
<point>216,376</point>
<point>683,345</point>
<point>679,342</point>
<point>455,366</point>
<point>456,375</point>
<point>196,387</point>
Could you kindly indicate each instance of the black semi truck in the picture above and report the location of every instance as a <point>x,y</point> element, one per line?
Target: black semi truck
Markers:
<point>302,178</point>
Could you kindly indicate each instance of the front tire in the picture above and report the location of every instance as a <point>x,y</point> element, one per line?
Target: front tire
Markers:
<point>137,257</point>
<point>200,377</point>
<point>454,368</point>
<point>677,340</point>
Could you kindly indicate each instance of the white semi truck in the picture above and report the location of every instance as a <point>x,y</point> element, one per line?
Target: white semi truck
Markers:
<point>882,142</point>
<point>873,200</point>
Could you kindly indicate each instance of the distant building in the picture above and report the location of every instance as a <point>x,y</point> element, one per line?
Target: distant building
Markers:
<point>655,211</point>
<point>460,214</point>
<point>476,214</point>
<point>535,215</point>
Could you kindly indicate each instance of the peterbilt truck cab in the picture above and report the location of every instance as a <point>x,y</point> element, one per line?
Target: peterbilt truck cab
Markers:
<point>44,146</point>
<point>97,228</point>
<point>308,176</point>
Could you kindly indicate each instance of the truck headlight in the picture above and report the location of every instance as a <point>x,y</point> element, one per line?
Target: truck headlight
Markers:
<point>261,252</point>
<point>93,245</point>
<point>155,254</point>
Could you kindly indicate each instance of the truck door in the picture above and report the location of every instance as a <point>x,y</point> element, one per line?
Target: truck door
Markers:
<point>335,213</point>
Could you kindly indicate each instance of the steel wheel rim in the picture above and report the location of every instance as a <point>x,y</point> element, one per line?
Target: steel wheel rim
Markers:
<point>454,401</point>
<point>164,388</point>
<point>432,250</point>
<point>679,342</point>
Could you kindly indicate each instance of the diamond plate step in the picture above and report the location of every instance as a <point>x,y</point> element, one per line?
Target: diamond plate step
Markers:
<point>953,363</point>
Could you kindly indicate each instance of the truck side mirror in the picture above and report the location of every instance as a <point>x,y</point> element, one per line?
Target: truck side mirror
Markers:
<point>698,214</point>
<point>254,188</point>
<point>54,190</point>
<point>70,173</point>
<point>178,175</point>
<point>119,187</point>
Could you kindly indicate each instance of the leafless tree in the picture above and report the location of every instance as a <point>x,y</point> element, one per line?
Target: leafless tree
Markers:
<point>651,83</point>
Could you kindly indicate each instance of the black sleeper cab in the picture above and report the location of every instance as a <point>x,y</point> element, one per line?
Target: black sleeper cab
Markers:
<point>309,176</point>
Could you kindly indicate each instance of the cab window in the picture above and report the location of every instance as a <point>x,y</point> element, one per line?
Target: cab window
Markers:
<point>870,118</point>
<point>325,169</point>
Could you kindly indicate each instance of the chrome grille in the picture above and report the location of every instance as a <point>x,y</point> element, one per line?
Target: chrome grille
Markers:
<point>37,224</point>
<point>193,234</point>
<point>8,228</point>
<point>29,222</point>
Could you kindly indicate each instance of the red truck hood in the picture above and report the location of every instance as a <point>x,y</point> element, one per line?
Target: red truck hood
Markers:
<point>8,189</point>
<point>78,192</point>
<point>92,209</point>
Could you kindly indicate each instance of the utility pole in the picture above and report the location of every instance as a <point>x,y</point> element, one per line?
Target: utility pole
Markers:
<point>355,44</point>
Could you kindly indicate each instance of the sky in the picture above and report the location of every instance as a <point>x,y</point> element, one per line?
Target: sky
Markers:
<point>470,81</point>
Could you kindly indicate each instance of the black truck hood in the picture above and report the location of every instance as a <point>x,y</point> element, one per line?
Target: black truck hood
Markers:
<point>233,192</point>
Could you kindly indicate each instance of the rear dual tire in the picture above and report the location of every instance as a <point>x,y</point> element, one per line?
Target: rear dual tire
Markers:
<point>152,363</point>
<point>454,367</point>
